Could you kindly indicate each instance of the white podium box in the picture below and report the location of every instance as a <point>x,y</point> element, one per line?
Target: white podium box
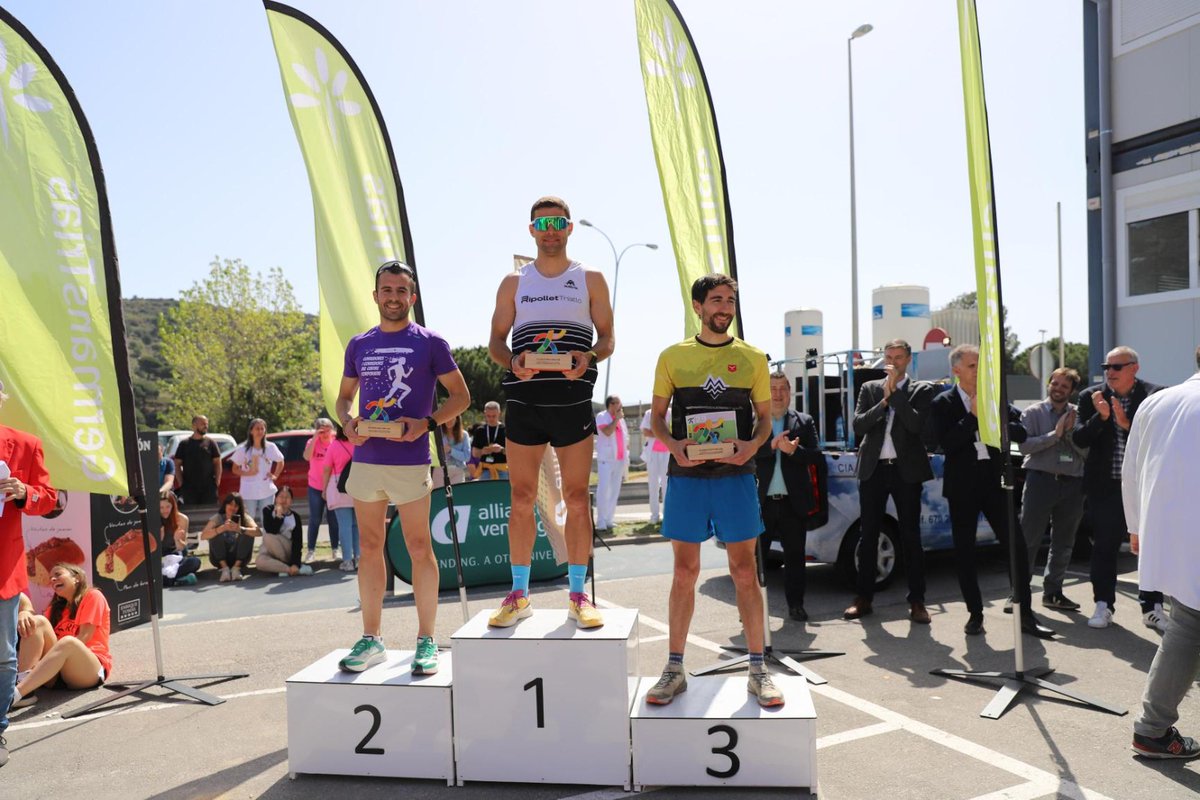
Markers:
<point>545,702</point>
<point>716,734</point>
<point>385,722</point>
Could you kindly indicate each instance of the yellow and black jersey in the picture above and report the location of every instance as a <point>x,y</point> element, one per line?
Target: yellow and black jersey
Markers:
<point>702,378</point>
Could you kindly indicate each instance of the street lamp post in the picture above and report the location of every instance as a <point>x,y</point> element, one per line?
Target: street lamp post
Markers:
<point>861,30</point>
<point>616,277</point>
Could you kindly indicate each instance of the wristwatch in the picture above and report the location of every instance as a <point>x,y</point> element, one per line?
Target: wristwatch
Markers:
<point>592,353</point>
<point>432,423</point>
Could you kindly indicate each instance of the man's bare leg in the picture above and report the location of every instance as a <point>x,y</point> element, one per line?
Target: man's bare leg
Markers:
<point>683,594</point>
<point>372,569</point>
<point>414,520</point>
<point>744,571</point>
<point>575,466</point>
<point>524,464</point>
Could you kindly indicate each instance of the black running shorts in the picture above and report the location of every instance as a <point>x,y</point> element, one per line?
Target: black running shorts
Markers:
<point>560,426</point>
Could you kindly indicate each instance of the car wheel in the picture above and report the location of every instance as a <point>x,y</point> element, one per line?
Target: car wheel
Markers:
<point>887,558</point>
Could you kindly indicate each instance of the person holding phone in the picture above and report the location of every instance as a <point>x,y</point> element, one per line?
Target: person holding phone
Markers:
<point>230,535</point>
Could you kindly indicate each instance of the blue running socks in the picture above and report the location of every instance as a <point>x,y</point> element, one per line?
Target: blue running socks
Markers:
<point>520,579</point>
<point>576,575</point>
<point>675,658</point>
<point>756,660</point>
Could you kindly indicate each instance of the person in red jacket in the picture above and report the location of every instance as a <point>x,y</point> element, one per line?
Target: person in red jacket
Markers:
<point>24,489</point>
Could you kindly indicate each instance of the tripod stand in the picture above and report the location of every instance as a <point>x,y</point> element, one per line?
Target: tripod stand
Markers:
<point>173,685</point>
<point>785,659</point>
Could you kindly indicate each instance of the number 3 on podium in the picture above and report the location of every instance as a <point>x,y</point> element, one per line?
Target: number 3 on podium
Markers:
<point>735,763</point>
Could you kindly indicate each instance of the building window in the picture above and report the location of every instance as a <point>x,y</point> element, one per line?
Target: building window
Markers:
<point>1158,254</point>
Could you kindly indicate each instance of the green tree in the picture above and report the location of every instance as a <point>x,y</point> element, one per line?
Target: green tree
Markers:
<point>1076,352</point>
<point>239,347</point>
<point>484,378</point>
<point>1011,342</point>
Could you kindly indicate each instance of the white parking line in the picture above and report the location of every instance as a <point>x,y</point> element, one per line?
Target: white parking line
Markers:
<point>1024,791</point>
<point>1030,773</point>
<point>54,719</point>
<point>854,734</point>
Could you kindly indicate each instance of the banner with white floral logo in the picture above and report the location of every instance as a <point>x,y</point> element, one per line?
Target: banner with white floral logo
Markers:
<point>687,149</point>
<point>358,203</point>
<point>62,341</point>
<point>983,225</point>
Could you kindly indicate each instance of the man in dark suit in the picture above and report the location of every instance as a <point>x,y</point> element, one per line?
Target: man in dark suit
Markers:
<point>971,483</point>
<point>785,488</point>
<point>1106,413</point>
<point>888,421</point>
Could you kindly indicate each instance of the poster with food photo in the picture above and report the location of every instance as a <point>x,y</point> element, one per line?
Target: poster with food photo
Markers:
<point>63,536</point>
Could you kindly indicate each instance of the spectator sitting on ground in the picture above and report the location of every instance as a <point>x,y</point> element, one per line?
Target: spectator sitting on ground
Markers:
<point>69,644</point>
<point>282,544</point>
<point>230,535</point>
<point>178,567</point>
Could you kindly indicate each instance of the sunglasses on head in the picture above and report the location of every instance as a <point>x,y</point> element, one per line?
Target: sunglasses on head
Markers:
<point>395,268</point>
<point>550,223</point>
<point>1116,367</point>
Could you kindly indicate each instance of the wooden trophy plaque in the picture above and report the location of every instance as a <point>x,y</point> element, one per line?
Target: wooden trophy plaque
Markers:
<point>380,429</point>
<point>708,452</point>
<point>548,362</point>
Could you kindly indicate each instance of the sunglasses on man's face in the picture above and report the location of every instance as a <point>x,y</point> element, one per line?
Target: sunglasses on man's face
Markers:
<point>550,223</point>
<point>1115,367</point>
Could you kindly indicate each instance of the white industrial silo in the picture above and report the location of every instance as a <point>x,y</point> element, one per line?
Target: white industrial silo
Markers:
<point>899,312</point>
<point>803,328</point>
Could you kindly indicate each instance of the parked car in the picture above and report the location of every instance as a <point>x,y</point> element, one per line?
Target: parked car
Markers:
<point>295,468</point>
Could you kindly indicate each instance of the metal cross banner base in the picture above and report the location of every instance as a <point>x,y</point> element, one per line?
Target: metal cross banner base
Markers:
<point>1017,682</point>
<point>171,684</point>
<point>779,658</point>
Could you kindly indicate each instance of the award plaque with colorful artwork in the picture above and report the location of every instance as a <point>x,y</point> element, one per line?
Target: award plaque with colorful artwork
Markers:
<point>711,435</point>
<point>546,357</point>
<point>377,423</point>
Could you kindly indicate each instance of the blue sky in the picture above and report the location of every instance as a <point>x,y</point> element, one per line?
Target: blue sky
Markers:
<point>491,104</point>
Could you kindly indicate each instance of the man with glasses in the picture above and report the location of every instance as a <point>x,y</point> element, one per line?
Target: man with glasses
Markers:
<point>1106,413</point>
<point>396,468</point>
<point>488,444</point>
<point>552,304</point>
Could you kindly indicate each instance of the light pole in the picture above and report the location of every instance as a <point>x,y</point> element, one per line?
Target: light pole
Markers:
<point>616,277</point>
<point>861,30</point>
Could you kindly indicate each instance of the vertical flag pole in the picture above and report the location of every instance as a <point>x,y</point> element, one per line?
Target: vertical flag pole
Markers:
<point>993,420</point>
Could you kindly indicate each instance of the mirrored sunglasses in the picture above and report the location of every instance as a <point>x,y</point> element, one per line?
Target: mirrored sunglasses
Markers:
<point>550,223</point>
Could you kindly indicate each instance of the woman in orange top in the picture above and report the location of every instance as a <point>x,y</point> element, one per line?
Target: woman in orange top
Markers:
<point>69,644</point>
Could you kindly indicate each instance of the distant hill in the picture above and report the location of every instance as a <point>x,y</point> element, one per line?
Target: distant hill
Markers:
<point>149,370</point>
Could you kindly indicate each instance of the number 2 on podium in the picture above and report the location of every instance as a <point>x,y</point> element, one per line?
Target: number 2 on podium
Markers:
<point>536,685</point>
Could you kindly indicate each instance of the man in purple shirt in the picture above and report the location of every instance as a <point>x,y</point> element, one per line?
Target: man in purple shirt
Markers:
<point>395,368</point>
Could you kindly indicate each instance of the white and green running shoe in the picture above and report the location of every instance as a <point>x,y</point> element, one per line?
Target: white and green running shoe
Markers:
<point>425,662</point>
<point>366,653</point>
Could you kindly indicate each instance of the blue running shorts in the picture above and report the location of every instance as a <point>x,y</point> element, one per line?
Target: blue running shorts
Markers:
<point>699,508</point>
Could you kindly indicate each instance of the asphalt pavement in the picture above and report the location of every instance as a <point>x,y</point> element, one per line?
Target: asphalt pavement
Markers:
<point>886,727</point>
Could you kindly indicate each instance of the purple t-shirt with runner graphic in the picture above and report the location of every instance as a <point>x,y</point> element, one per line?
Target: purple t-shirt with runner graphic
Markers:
<point>397,373</point>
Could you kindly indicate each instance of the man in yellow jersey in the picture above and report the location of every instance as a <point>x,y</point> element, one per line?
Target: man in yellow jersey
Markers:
<point>551,305</point>
<point>719,389</point>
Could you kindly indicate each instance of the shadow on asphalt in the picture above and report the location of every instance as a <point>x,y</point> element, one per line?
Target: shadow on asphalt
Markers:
<point>216,783</point>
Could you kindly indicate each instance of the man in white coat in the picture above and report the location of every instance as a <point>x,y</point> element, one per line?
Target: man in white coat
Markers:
<point>612,455</point>
<point>1159,484</point>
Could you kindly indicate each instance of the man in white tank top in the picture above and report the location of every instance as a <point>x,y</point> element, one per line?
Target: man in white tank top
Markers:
<point>553,304</point>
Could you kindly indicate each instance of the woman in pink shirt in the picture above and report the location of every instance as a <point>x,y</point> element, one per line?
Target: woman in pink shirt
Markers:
<point>314,453</point>
<point>341,504</point>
